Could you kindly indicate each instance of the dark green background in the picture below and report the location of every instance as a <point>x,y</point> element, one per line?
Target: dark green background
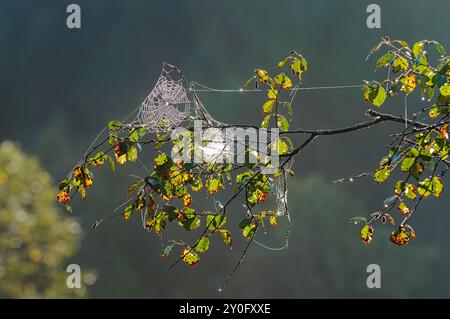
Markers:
<point>58,87</point>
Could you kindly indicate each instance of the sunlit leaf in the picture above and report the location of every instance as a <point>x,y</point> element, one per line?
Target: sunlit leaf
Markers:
<point>424,188</point>
<point>272,93</point>
<point>418,48</point>
<point>127,212</point>
<point>63,197</point>
<point>265,122</point>
<point>98,160</point>
<point>213,185</point>
<point>401,236</point>
<point>190,257</point>
<point>134,187</point>
<point>226,236</point>
<point>280,147</point>
<point>215,221</point>
<point>197,184</point>
<point>400,64</point>
<point>385,60</point>
<point>139,203</point>
<point>120,152</point>
<point>157,223</point>
<point>202,245</point>
<point>437,186</point>
<point>248,228</point>
<point>382,174</point>
<point>161,159</point>
<point>409,83</point>
<point>132,154</point>
<point>268,106</point>
<point>444,132</point>
<point>273,220</point>
<point>367,234</point>
<point>445,89</point>
<point>283,123</point>
<point>375,94</point>
<point>114,125</point>
<point>404,210</point>
<point>283,80</point>
<point>187,200</point>
<point>262,75</point>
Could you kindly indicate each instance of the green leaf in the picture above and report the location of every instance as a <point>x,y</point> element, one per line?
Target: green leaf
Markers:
<point>190,257</point>
<point>280,147</point>
<point>134,187</point>
<point>158,223</point>
<point>226,236</point>
<point>161,159</point>
<point>283,123</point>
<point>283,80</point>
<point>439,48</point>
<point>418,48</point>
<point>134,135</point>
<point>385,60</point>
<point>367,234</point>
<point>248,228</point>
<point>197,184</point>
<point>266,121</point>
<point>213,185</point>
<point>202,245</point>
<point>400,64</point>
<point>215,221</point>
<point>375,94</point>
<point>113,125</point>
<point>262,75</point>
<point>171,212</point>
<point>410,191</point>
<point>268,106</point>
<point>382,174</point>
<point>424,188</point>
<point>407,163</point>
<point>127,212</point>
<point>282,62</point>
<point>132,154</point>
<point>273,220</point>
<point>437,186</point>
<point>445,89</point>
<point>272,93</point>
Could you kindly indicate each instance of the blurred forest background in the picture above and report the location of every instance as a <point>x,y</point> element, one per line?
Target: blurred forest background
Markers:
<point>59,87</point>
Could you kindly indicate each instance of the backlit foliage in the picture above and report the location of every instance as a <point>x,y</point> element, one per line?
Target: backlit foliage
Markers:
<point>420,152</point>
<point>165,197</point>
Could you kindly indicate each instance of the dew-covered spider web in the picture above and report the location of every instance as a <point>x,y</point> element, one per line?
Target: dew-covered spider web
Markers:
<point>167,105</point>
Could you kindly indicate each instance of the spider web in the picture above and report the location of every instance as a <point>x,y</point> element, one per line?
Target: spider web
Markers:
<point>167,105</point>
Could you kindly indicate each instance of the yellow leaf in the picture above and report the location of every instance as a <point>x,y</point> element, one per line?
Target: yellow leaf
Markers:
<point>63,197</point>
<point>187,200</point>
<point>273,220</point>
<point>367,234</point>
<point>190,257</point>
<point>409,84</point>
